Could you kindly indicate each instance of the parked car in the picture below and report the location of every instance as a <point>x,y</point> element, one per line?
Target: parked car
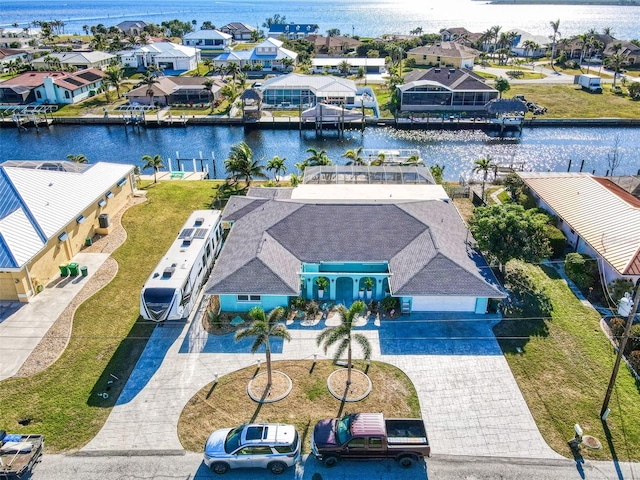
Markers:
<point>273,446</point>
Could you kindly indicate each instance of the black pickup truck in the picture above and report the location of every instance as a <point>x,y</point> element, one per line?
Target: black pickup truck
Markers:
<point>18,454</point>
<point>370,435</point>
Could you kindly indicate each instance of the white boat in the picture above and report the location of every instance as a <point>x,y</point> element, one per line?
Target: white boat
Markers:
<point>171,290</point>
<point>508,120</point>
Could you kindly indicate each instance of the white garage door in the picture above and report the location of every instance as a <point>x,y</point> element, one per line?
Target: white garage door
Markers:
<point>443,304</point>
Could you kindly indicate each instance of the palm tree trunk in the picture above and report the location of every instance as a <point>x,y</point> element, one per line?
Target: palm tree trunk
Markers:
<point>269,377</point>
<point>349,365</point>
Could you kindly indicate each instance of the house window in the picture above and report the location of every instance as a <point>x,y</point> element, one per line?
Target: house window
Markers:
<point>424,57</point>
<point>66,94</point>
<point>249,298</point>
<point>437,59</point>
<point>39,94</point>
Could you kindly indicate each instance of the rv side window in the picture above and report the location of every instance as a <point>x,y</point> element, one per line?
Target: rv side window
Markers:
<point>208,252</point>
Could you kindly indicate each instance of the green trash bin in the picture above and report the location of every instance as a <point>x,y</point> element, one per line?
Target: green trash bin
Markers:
<point>88,241</point>
<point>64,269</point>
<point>84,271</point>
<point>73,269</point>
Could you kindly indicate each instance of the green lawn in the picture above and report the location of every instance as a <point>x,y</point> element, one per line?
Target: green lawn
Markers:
<point>564,371</point>
<point>570,101</point>
<point>107,338</point>
<point>383,95</point>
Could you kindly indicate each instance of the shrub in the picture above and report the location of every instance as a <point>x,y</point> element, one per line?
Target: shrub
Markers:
<point>526,297</point>
<point>618,288</point>
<point>557,240</point>
<point>527,201</point>
<point>390,303</point>
<point>312,309</point>
<point>515,73</point>
<point>634,360</point>
<point>582,270</point>
<point>214,319</point>
<point>298,303</point>
<point>634,338</point>
<point>617,325</point>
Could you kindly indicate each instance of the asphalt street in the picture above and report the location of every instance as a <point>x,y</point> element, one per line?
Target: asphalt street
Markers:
<point>190,467</point>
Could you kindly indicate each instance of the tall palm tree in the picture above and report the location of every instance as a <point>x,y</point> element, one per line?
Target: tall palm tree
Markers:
<point>208,63</point>
<point>413,161</point>
<point>554,26</point>
<point>207,87</point>
<point>79,158</point>
<point>154,162</point>
<point>354,157</point>
<point>317,157</point>
<point>344,67</point>
<point>113,77</point>
<point>344,335</point>
<point>149,81</point>
<point>241,164</point>
<point>277,165</point>
<point>379,161</point>
<point>263,329</point>
<point>484,165</point>
<point>495,36</point>
<point>615,62</point>
<point>233,69</point>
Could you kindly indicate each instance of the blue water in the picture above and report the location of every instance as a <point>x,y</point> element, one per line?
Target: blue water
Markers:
<point>365,18</point>
<point>541,149</point>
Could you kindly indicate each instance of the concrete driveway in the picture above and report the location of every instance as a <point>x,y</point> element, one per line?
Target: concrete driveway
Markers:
<point>468,396</point>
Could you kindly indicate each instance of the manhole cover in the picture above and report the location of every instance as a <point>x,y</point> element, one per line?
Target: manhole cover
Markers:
<point>591,442</point>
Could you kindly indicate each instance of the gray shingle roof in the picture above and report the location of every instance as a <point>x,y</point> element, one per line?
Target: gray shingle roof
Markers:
<point>425,242</point>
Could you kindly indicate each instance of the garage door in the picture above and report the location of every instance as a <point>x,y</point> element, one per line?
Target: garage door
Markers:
<point>443,304</point>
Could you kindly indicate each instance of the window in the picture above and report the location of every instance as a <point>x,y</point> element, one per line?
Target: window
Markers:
<point>249,298</point>
<point>39,94</point>
<point>375,442</point>
<point>256,450</point>
<point>357,442</point>
<point>109,194</point>
<point>102,202</point>
<point>80,219</point>
<point>66,94</point>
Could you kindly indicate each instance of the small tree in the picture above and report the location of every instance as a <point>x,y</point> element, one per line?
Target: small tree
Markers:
<point>263,328</point>
<point>79,158</point>
<point>484,165</point>
<point>502,85</point>
<point>154,162</point>
<point>277,166</point>
<point>437,171</point>
<point>344,334</point>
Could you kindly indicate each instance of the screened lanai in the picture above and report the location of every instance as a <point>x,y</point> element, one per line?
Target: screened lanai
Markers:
<point>363,174</point>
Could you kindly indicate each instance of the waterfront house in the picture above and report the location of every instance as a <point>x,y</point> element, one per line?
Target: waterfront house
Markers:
<point>598,217</point>
<point>292,31</point>
<point>444,90</point>
<point>239,31</point>
<point>408,240</point>
<point>132,27</point>
<point>629,50</point>
<point>296,89</point>
<point>337,45</point>
<point>12,55</point>
<point>165,55</point>
<point>208,41</point>
<point>48,210</point>
<point>270,54</point>
<point>444,54</point>
<point>51,87</point>
<point>172,90</point>
<point>521,41</point>
<point>14,37</point>
<point>332,65</point>
<point>76,60</point>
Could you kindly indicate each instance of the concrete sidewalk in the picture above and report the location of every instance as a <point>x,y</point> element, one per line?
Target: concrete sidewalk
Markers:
<point>23,325</point>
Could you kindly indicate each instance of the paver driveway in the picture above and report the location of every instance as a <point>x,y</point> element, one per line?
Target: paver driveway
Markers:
<point>468,396</point>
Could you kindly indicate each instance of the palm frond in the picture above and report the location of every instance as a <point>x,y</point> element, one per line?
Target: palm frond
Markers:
<point>364,343</point>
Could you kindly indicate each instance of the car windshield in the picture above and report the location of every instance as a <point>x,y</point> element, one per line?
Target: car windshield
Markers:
<point>342,429</point>
<point>232,442</point>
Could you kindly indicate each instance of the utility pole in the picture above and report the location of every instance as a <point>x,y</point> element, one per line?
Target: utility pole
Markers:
<point>634,308</point>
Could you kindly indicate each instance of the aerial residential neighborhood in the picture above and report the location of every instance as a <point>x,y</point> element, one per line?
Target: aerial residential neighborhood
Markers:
<point>243,248</point>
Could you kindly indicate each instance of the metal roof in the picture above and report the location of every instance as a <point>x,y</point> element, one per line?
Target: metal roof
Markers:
<point>36,204</point>
<point>601,213</point>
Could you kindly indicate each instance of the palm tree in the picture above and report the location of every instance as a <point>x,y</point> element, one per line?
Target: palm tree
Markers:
<point>79,158</point>
<point>287,63</point>
<point>379,161</point>
<point>207,62</point>
<point>113,77</point>
<point>207,87</point>
<point>344,334</point>
<point>554,26</point>
<point>154,162</point>
<point>277,165</point>
<point>263,328</point>
<point>484,165</point>
<point>149,81</point>
<point>354,157</point>
<point>233,69</point>
<point>344,67</point>
<point>317,157</point>
<point>615,62</point>
<point>495,36</point>
<point>241,164</point>
<point>413,161</point>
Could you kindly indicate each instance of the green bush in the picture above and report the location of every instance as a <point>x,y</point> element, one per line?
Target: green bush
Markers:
<point>618,288</point>
<point>634,338</point>
<point>389,303</point>
<point>312,309</point>
<point>298,303</point>
<point>582,270</point>
<point>526,298</point>
<point>557,240</point>
<point>634,360</point>
<point>617,326</point>
<point>515,73</point>
<point>527,200</point>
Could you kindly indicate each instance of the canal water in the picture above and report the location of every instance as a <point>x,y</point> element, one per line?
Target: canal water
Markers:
<point>539,149</point>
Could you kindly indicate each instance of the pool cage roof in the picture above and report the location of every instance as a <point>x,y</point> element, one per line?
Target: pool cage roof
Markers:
<point>339,174</point>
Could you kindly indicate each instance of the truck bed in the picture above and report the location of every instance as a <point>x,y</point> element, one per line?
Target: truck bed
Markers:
<point>406,431</point>
<point>18,454</point>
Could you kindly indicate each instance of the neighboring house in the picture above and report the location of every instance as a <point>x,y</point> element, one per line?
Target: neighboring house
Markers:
<point>574,46</point>
<point>239,31</point>
<point>628,49</point>
<point>308,90</point>
<point>208,41</point>
<point>332,64</point>
<point>333,45</point>
<point>165,55</point>
<point>12,37</point>
<point>444,54</point>
<point>175,90</point>
<point>408,239</point>
<point>135,27</point>
<point>51,87</point>
<point>47,212</point>
<point>444,89</point>
<point>269,53</point>
<point>520,41</point>
<point>292,31</point>
<point>597,216</point>
<point>78,60</point>
<point>455,33</point>
<point>12,55</point>
<point>631,183</point>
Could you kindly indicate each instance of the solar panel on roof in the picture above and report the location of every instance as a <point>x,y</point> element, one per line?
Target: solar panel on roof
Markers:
<point>200,233</point>
<point>89,76</point>
<point>186,233</point>
<point>73,81</point>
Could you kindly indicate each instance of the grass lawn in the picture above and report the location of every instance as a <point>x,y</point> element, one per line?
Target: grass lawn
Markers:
<point>383,95</point>
<point>570,101</point>
<point>228,405</point>
<point>107,338</point>
<point>93,105</point>
<point>564,371</point>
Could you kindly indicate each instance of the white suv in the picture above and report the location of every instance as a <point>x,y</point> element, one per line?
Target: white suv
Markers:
<point>273,446</point>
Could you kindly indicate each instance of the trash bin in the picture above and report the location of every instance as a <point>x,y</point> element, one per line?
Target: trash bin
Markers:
<point>64,269</point>
<point>73,269</point>
<point>84,271</point>
<point>88,242</point>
